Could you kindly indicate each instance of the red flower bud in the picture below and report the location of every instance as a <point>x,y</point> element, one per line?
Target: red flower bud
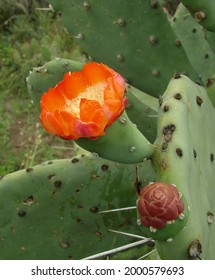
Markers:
<point>158,204</point>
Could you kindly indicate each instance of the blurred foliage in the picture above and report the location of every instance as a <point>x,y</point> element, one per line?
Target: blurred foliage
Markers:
<point>9,9</point>
<point>29,40</point>
<point>29,37</point>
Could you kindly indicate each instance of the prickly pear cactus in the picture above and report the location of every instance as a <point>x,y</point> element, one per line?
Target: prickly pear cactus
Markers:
<point>51,211</point>
<point>72,208</point>
<point>185,156</point>
<point>124,36</point>
<point>179,160</point>
<point>197,48</point>
<point>203,12</point>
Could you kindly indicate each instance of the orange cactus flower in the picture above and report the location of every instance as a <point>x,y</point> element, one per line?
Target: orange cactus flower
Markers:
<point>84,103</point>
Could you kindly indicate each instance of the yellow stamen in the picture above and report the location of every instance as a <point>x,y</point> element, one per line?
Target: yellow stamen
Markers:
<point>94,92</point>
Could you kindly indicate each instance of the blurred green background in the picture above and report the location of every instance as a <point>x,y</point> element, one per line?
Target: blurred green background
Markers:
<point>30,35</point>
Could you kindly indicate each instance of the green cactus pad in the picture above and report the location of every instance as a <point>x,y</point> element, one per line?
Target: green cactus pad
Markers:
<point>124,36</point>
<point>194,41</point>
<point>142,110</point>
<point>185,156</point>
<point>122,142</point>
<point>210,37</point>
<point>51,211</point>
<point>203,11</point>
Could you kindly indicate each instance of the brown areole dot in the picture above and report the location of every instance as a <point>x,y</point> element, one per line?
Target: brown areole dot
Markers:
<point>179,152</point>
<point>58,184</point>
<point>164,146</point>
<point>154,4</point>
<point>75,160</point>
<point>64,244</point>
<point>177,76</point>
<point>94,209</point>
<point>169,129</point>
<point>121,22</point>
<point>210,217</point>
<point>155,73</point>
<point>199,100</point>
<point>194,153</point>
<point>29,169</point>
<point>160,100</point>
<point>178,96</point>
<point>153,39</point>
<point>177,42</point>
<point>166,108</point>
<point>86,5</point>
<point>195,249</point>
<point>104,167</point>
<point>21,213</point>
<point>120,57</point>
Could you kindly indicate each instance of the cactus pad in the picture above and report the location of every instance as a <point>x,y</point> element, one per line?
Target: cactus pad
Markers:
<point>124,36</point>
<point>203,11</point>
<point>195,44</point>
<point>185,156</point>
<point>51,211</point>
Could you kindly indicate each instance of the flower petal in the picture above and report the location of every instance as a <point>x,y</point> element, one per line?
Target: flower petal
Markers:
<point>154,209</point>
<point>68,122</point>
<point>51,123</point>
<point>119,85</point>
<point>113,109</point>
<point>96,73</point>
<point>72,85</point>
<point>90,130</point>
<point>91,111</point>
<point>52,101</point>
<point>115,88</point>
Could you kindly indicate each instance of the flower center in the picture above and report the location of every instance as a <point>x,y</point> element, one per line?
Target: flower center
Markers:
<point>94,92</point>
<point>158,194</point>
